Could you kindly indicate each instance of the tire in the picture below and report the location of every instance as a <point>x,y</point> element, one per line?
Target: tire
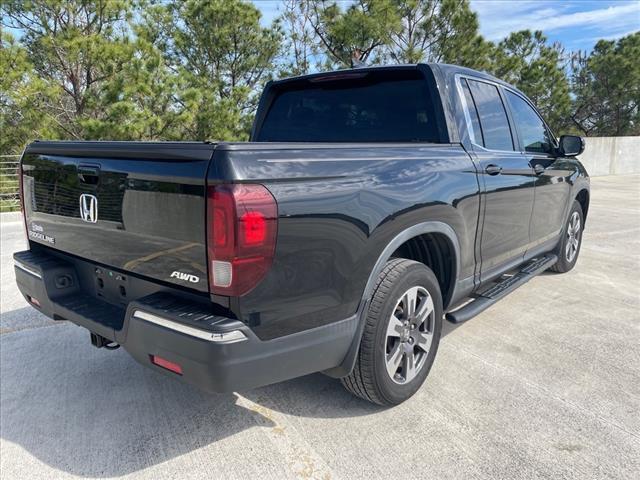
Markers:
<point>385,338</point>
<point>569,247</point>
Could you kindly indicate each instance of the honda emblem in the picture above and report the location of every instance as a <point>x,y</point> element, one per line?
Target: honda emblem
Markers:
<point>88,208</point>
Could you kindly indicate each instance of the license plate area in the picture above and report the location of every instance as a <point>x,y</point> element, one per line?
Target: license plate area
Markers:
<point>111,286</point>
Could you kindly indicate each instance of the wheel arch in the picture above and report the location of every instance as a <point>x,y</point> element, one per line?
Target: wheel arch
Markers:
<point>421,232</point>
<point>432,228</point>
<point>583,199</point>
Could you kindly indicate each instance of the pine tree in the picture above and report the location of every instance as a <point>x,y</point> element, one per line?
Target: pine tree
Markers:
<point>526,60</point>
<point>606,85</point>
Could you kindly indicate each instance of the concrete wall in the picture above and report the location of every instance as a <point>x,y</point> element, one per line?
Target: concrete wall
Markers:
<point>611,155</point>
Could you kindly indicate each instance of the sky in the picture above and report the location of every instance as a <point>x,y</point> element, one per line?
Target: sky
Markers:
<point>577,24</point>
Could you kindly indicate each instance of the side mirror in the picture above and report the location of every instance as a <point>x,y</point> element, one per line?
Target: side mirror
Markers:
<point>571,145</point>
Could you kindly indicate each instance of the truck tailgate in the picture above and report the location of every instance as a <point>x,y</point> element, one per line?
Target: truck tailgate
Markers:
<point>137,207</point>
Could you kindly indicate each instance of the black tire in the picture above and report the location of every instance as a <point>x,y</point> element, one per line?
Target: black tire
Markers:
<point>369,379</point>
<point>565,261</point>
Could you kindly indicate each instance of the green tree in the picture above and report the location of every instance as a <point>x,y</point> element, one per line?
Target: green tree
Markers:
<point>355,35</point>
<point>76,48</point>
<point>606,85</point>
<point>141,101</point>
<point>24,97</point>
<point>438,31</point>
<point>223,56</point>
<point>526,60</point>
<point>300,50</point>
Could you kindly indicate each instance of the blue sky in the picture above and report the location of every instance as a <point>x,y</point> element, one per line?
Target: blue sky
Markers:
<point>578,24</point>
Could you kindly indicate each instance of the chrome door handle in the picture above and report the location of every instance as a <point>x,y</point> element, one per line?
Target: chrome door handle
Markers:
<point>493,169</point>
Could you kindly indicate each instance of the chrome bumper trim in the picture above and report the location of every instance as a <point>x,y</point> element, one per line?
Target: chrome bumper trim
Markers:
<point>27,269</point>
<point>226,337</point>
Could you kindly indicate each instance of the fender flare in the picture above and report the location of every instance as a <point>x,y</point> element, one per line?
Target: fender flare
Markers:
<point>348,363</point>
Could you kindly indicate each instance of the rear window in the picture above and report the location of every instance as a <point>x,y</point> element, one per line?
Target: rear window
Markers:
<point>372,107</point>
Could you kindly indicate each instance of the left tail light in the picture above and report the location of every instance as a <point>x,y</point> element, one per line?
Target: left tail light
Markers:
<point>21,194</point>
<point>242,227</point>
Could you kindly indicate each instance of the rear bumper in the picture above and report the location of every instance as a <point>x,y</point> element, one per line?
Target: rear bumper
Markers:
<point>215,353</point>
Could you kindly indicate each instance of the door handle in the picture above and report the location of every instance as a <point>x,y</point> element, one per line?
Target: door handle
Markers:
<point>493,169</point>
<point>539,169</point>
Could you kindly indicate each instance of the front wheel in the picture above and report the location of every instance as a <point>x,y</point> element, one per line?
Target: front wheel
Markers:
<point>401,334</point>
<point>569,246</point>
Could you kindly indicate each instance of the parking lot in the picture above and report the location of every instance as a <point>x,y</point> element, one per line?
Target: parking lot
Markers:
<point>546,384</point>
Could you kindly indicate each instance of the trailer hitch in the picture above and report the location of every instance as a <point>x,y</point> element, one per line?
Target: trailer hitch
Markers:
<point>99,341</point>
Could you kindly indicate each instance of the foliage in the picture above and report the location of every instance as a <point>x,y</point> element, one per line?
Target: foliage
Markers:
<point>76,48</point>
<point>223,56</point>
<point>355,35</point>
<point>526,60</point>
<point>23,98</point>
<point>130,71</point>
<point>193,69</point>
<point>438,31</point>
<point>300,48</point>
<point>607,88</point>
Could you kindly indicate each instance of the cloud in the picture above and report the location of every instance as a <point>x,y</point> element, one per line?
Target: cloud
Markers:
<point>499,18</point>
<point>578,24</point>
<point>613,36</point>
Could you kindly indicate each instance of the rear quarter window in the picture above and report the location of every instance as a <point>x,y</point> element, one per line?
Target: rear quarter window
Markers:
<point>376,107</point>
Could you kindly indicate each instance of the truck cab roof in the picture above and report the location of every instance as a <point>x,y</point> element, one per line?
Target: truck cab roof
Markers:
<point>446,69</point>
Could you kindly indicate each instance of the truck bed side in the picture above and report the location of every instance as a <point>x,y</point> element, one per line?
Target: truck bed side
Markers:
<point>339,206</point>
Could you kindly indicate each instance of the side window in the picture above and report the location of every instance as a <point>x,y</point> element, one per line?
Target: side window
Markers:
<point>529,125</point>
<point>493,117</point>
<point>472,114</point>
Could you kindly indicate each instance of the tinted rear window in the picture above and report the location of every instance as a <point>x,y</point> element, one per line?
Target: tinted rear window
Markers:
<point>493,117</point>
<point>378,107</point>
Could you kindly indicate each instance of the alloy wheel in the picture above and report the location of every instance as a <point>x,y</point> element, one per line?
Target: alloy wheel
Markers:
<point>573,237</point>
<point>409,335</point>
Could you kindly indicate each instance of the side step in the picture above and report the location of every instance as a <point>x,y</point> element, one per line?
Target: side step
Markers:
<point>501,289</point>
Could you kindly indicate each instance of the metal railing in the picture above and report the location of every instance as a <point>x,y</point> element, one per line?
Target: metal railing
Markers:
<point>9,183</point>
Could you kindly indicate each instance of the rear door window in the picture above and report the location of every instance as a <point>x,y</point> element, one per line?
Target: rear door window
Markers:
<point>387,106</point>
<point>493,116</point>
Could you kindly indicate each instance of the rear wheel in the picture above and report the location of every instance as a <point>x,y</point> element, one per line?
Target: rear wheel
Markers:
<point>401,334</point>
<point>569,247</point>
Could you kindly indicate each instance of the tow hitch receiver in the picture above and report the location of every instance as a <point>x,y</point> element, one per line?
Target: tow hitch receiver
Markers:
<point>99,341</point>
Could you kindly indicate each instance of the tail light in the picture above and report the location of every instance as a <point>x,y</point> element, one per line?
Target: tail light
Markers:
<point>21,194</point>
<point>241,236</point>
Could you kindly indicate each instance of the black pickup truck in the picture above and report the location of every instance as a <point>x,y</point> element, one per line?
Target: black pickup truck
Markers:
<point>369,205</point>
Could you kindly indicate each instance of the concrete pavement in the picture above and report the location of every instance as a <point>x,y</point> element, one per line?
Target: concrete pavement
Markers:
<point>546,384</point>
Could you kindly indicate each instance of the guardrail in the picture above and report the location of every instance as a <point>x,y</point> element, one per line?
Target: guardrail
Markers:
<point>9,183</point>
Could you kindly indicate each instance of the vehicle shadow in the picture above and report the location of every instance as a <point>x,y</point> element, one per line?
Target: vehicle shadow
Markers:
<point>23,319</point>
<point>96,413</point>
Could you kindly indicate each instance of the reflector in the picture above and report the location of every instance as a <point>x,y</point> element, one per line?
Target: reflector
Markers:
<point>34,301</point>
<point>166,364</point>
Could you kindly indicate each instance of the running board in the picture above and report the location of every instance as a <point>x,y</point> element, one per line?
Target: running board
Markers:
<point>501,289</point>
